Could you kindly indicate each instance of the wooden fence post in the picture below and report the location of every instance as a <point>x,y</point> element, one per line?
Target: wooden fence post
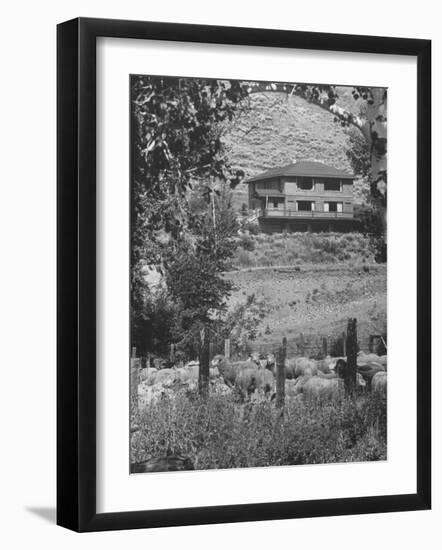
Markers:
<point>344,344</point>
<point>324,346</point>
<point>172,354</point>
<point>280,373</point>
<point>352,350</point>
<point>302,344</point>
<point>227,348</point>
<point>204,364</point>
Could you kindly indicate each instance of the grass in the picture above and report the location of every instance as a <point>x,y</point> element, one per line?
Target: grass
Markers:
<point>222,433</point>
<point>297,248</point>
<point>315,299</point>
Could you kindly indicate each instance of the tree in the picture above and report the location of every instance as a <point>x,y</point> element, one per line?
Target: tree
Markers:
<point>176,127</point>
<point>193,272</point>
<point>368,215</point>
<point>358,153</point>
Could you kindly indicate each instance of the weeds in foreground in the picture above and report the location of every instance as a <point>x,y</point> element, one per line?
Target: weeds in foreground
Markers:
<point>223,433</point>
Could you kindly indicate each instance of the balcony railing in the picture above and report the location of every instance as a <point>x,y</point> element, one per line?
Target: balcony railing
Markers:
<point>308,214</point>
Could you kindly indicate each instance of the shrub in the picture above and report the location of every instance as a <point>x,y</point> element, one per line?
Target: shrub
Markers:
<point>247,243</point>
<point>244,259</point>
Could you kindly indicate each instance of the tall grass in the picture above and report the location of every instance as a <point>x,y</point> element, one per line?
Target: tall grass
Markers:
<point>223,433</point>
<point>295,248</point>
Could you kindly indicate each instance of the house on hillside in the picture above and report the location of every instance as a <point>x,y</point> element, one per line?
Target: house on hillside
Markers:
<point>302,196</point>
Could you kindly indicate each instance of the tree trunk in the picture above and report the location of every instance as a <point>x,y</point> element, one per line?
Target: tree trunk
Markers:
<point>204,366</point>
<point>352,350</point>
<point>280,374</point>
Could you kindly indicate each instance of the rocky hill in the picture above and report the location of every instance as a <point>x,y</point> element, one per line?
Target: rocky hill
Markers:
<point>276,130</point>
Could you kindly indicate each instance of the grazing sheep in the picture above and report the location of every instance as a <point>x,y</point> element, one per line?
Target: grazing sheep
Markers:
<point>327,375</point>
<point>253,379</point>
<point>379,383</point>
<point>292,388</point>
<point>185,375</point>
<point>166,377</point>
<point>148,375</point>
<point>303,366</point>
<point>218,387</point>
<point>296,367</point>
<point>364,358</point>
<point>323,389</point>
<point>229,371</point>
<point>368,371</point>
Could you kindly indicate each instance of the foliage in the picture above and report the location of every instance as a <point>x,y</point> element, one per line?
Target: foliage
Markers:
<point>241,323</point>
<point>358,153</point>
<point>246,242</point>
<point>176,132</point>
<point>153,331</point>
<point>371,223</point>
<point>193,272</point>
<point>222,433</point>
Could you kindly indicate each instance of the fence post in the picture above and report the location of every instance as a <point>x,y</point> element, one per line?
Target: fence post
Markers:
<point>344,344</point>
<point>227,348</point>
<point>324,346</point>
<point>204,364</point>
<point>172,354</point>
<point>352,350</point>
<point>280,373</point>
<point>302,344</point>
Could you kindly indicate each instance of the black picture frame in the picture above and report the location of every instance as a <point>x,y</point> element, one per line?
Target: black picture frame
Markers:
<point>76,274</point>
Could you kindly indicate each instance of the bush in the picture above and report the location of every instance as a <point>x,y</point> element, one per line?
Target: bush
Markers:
<point>252,228</point>
<point>223,433</point>
<point>243,258</point>
<point>247,243</point>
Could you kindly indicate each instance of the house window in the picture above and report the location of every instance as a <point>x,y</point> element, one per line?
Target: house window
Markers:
<point>305,206</point>
<point>275,204</point>
<point>305,184</point>
<point>333,185</point>
<point>267,185</point>
<point>332,206</point>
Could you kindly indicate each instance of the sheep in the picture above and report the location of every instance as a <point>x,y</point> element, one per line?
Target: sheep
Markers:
<point>323,389</point>
<point>379,383</point>
<point>229,371</point>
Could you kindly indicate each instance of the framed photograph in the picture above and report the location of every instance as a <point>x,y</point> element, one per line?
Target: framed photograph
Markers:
<point>243,317</point>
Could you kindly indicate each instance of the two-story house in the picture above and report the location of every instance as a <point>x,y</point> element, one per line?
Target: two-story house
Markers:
<point>302,196</point>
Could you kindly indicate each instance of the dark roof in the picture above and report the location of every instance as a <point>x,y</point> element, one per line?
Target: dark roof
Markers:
<point>302,168</point>
<point>269,193</point>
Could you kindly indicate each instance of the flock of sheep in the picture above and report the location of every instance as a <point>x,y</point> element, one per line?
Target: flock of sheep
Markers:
<point>304,378</point>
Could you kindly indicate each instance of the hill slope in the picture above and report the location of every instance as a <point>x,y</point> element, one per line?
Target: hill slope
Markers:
<point>275,131</point>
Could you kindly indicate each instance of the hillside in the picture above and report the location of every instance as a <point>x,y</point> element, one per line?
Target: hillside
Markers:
<point>275,130</point>
<point>315,300</point>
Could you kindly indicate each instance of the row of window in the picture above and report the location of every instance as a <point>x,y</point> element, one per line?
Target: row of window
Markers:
<point>303,184</point>
<point>309,206</point>
<point>329,185</point>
